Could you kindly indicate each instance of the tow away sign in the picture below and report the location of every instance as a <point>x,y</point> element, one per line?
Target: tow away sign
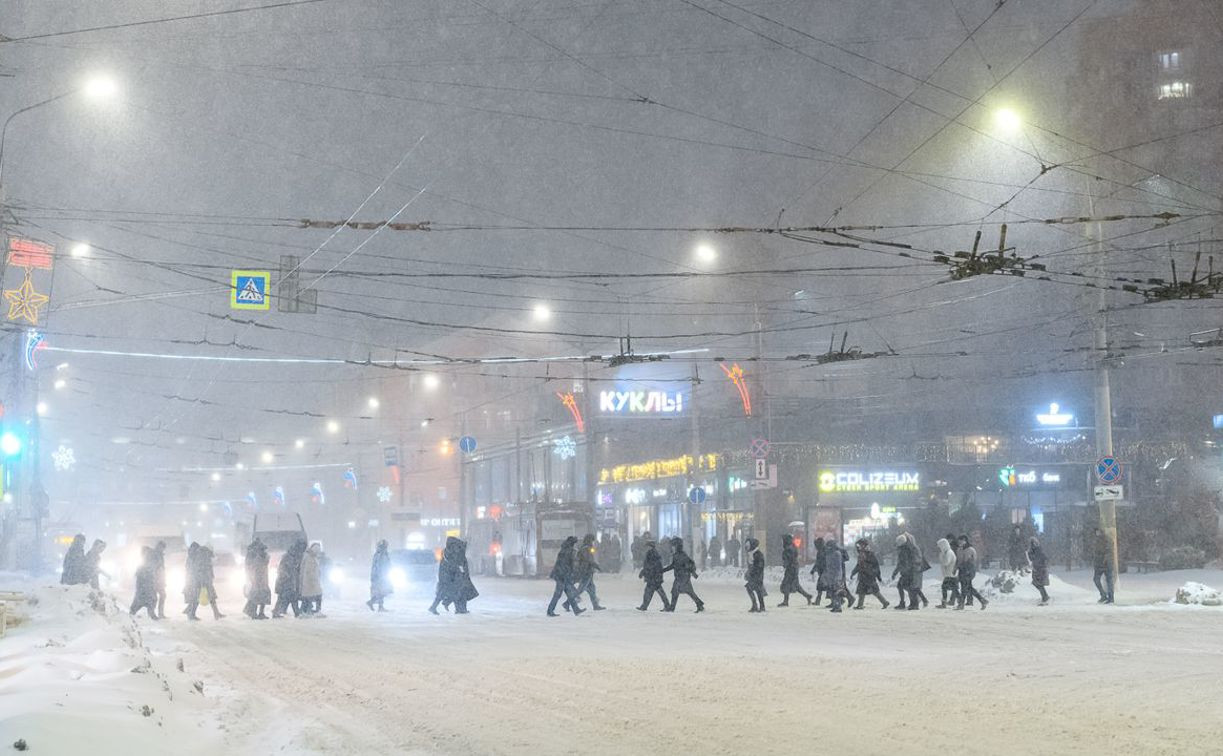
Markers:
<point>1110,493</point>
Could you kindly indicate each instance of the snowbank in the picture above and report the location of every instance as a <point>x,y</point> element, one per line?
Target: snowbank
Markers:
<point>76,676</point>
<point>1197,593</point>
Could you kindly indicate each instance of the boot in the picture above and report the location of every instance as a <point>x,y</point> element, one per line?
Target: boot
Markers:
<point>700,608</point>
<point>597,608</point>
<point>983,604</point>
<point>885,604</point>
<point>550,614</point>
<point>577,610</point>
<point>370,604</point>
<point>643,608</point>
<point>861,601</point>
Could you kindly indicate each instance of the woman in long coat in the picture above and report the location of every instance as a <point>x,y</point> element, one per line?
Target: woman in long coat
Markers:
<point>258,592</point>
<point>380,578</point>
<point>789,580</point>
<point>311,580</point>
<point>834,573</point>
<point>74,562</point>
<point>1040,569</point>
<point>288,581</point>
<point>868,573</point>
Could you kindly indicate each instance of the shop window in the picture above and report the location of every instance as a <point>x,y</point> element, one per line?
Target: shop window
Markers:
<point>1170,60</point>
<point>1175,90</point>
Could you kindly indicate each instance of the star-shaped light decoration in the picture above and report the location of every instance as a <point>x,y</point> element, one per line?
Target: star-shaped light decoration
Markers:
<point>384,494</point>
<point>24,303</point>
<point>64,458</point>
<point>565,447</point>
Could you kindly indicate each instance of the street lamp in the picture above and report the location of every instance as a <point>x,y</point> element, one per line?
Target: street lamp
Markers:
<point>80,249</point>
<point>706,254</point>
<point>542,313</point>
<point>1008,120</point>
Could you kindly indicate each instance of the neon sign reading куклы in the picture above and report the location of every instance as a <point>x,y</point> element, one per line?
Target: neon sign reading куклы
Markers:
<point>641,402</point>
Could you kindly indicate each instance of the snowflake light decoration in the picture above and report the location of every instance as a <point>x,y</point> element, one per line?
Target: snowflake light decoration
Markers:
<point>384,494</point>
<point>64,458</point>
<point>565,447</point>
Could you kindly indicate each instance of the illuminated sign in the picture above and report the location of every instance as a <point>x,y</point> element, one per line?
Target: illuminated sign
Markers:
<point>658,468</point>
<point>634,496</point>
<point>869,481</point>
<point>644,403</point>
<point>1217,421</point>
<point>1055,417</point>
<point>1012,477</point>
<point>725,516</point>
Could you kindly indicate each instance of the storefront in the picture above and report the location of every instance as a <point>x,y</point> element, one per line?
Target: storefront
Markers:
<point>1034,492</point>
<point>656,495</point>
<point>857,502</point>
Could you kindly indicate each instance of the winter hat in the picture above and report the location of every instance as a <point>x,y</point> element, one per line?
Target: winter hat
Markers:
<point>752,544</point>
<point>900,540</point>
<point>863,542</point>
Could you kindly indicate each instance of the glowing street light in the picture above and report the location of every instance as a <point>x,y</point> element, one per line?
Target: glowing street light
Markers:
<point>373,403</point>
<point>542,313</point>
<point>1008,120</point>
<point>432,381</point>
<point>80,249</point>
<point>216,477</point>
<point>100,87</point>
<point>61,383</point>
<point>299,443</point>
<point>267,457</point>
<point>41,408</point>
<point>333,426</point>
<point>706,254</point>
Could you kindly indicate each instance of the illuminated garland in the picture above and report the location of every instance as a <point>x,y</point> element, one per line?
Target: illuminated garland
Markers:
<point>571,403</point>
<point>34,341</point>
<point>736,375</point>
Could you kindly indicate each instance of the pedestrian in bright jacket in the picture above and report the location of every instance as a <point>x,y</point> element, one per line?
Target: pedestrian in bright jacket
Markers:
<point>947,566</point>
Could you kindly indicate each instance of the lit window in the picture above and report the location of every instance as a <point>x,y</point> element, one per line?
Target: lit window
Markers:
<point>1170,61</point>
<point>1175,90</point>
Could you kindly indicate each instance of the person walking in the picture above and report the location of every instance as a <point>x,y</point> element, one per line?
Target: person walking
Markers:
<point>715,551</point>
<point>586,567</point>
<point>685,570</point>
<point>562,575</point>
<point>310,581</point>
<point>966,571</point>
<point>908,569</point>
<point>1015,549</point>
<point>191,586</point>
<point>755,575</point>
<point>1102,566</point>
<point>454,584</point>
<point>1040,569</point>
<point>834,574</point>
<point>817,569</point>
<point>789,580</point>
<point>146,588</point>
<point>651,573</point>
<point>615,553</point>
<point>951,585</point>
<point>869,574</point>
<point>203,578</point>
<point>288,581</point>
<point>637,549</point>
<point>73,572</point>
<point>159,577</point>
<point>258,591</point>
<point>380,577</point>
<point>93,564</point>
<point>734,550</point>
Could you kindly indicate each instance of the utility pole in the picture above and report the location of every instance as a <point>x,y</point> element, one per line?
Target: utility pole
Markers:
<point>694,517</point>
<point>1103,392</point>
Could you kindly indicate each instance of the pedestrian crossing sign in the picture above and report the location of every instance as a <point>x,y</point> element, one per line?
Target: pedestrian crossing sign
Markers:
<point>249,290</point>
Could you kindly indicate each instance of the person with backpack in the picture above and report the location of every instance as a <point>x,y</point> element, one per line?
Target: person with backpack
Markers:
<point>966,571</point>
<point>869,574</point>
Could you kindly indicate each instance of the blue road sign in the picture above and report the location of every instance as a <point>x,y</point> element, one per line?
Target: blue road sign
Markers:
<point>467,444</point>
<point>249,290</point>
<point>697,495</point>
<point>1108,470</point>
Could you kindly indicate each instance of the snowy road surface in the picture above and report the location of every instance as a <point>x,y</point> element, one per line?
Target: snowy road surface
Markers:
<point>1070,678</point>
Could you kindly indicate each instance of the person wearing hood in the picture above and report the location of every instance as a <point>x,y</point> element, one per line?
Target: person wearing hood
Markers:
<point>258,591</point>
<point>159,577</point>
<point>454,584</point>
<point>310,580</point>
<point>817,569</point>
<point>1040,569</point>
<point>74,562</point>
<point>380,577</point>
<point>685,570</point>
<point>651,573</point>
<point>585,568</point>
<point>966,571</point>
<point>92,563</point>
<point>922,565</point>
<point>203,577</point>
<point>1102,564</point>
<point>909,569</point>
<point>146,588</point>
<point>834,574</point>
<point>789,580</point>
<point>191,587</point>
<point>947,564</point>
<point>562,574</point>
<point>1014,548</point>
<point>869,574</point>
<point>288,581</point>
<point>755,576</point>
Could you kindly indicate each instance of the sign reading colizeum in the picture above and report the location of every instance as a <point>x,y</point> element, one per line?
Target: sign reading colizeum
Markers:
<point>641,403</point>
<point>869,481</point>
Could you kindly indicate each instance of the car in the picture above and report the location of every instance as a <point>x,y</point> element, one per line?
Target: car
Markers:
<point>413,568</point>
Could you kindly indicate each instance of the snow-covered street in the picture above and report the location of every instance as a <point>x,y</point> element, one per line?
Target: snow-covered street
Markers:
<point>1070,678</point>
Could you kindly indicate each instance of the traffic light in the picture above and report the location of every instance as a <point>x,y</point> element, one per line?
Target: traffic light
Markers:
<point>11,445</point>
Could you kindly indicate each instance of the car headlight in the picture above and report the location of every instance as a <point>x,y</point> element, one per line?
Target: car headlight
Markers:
<point>399,578</point>
<point>335,575</point>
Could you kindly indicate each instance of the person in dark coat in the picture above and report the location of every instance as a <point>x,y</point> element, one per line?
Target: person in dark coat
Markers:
<point>380,577</point>
<point>1040,569</point>
<point>651,573</point>
<point>966,571</point>
<point>159,577</point>
<point>258,591</point>
<point>755,576</point>
<point>909,570</point>
<point>789,580</point>
<point>685,570</point>
<point>146,585</point>
<point>869,574</point>
<point>734,550</point>
<point>288,581</point>
<point>191,587</point>
<point>562,574</point>
<point>615,553</point>
<point>834,574</point>
<point>1015,548</point>
<point>92,563</point>
<point>637,549</point>
<point>715,552</point>
<point>585,568</point>
<point>817,570</point>
<point>1102,564</point>
<point>74,562</point>
<point>204,579</point>
<point>454,584</point>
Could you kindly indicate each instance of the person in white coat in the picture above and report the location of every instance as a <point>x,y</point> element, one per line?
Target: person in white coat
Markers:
<point>951,584</point>
<point>311,580</point>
